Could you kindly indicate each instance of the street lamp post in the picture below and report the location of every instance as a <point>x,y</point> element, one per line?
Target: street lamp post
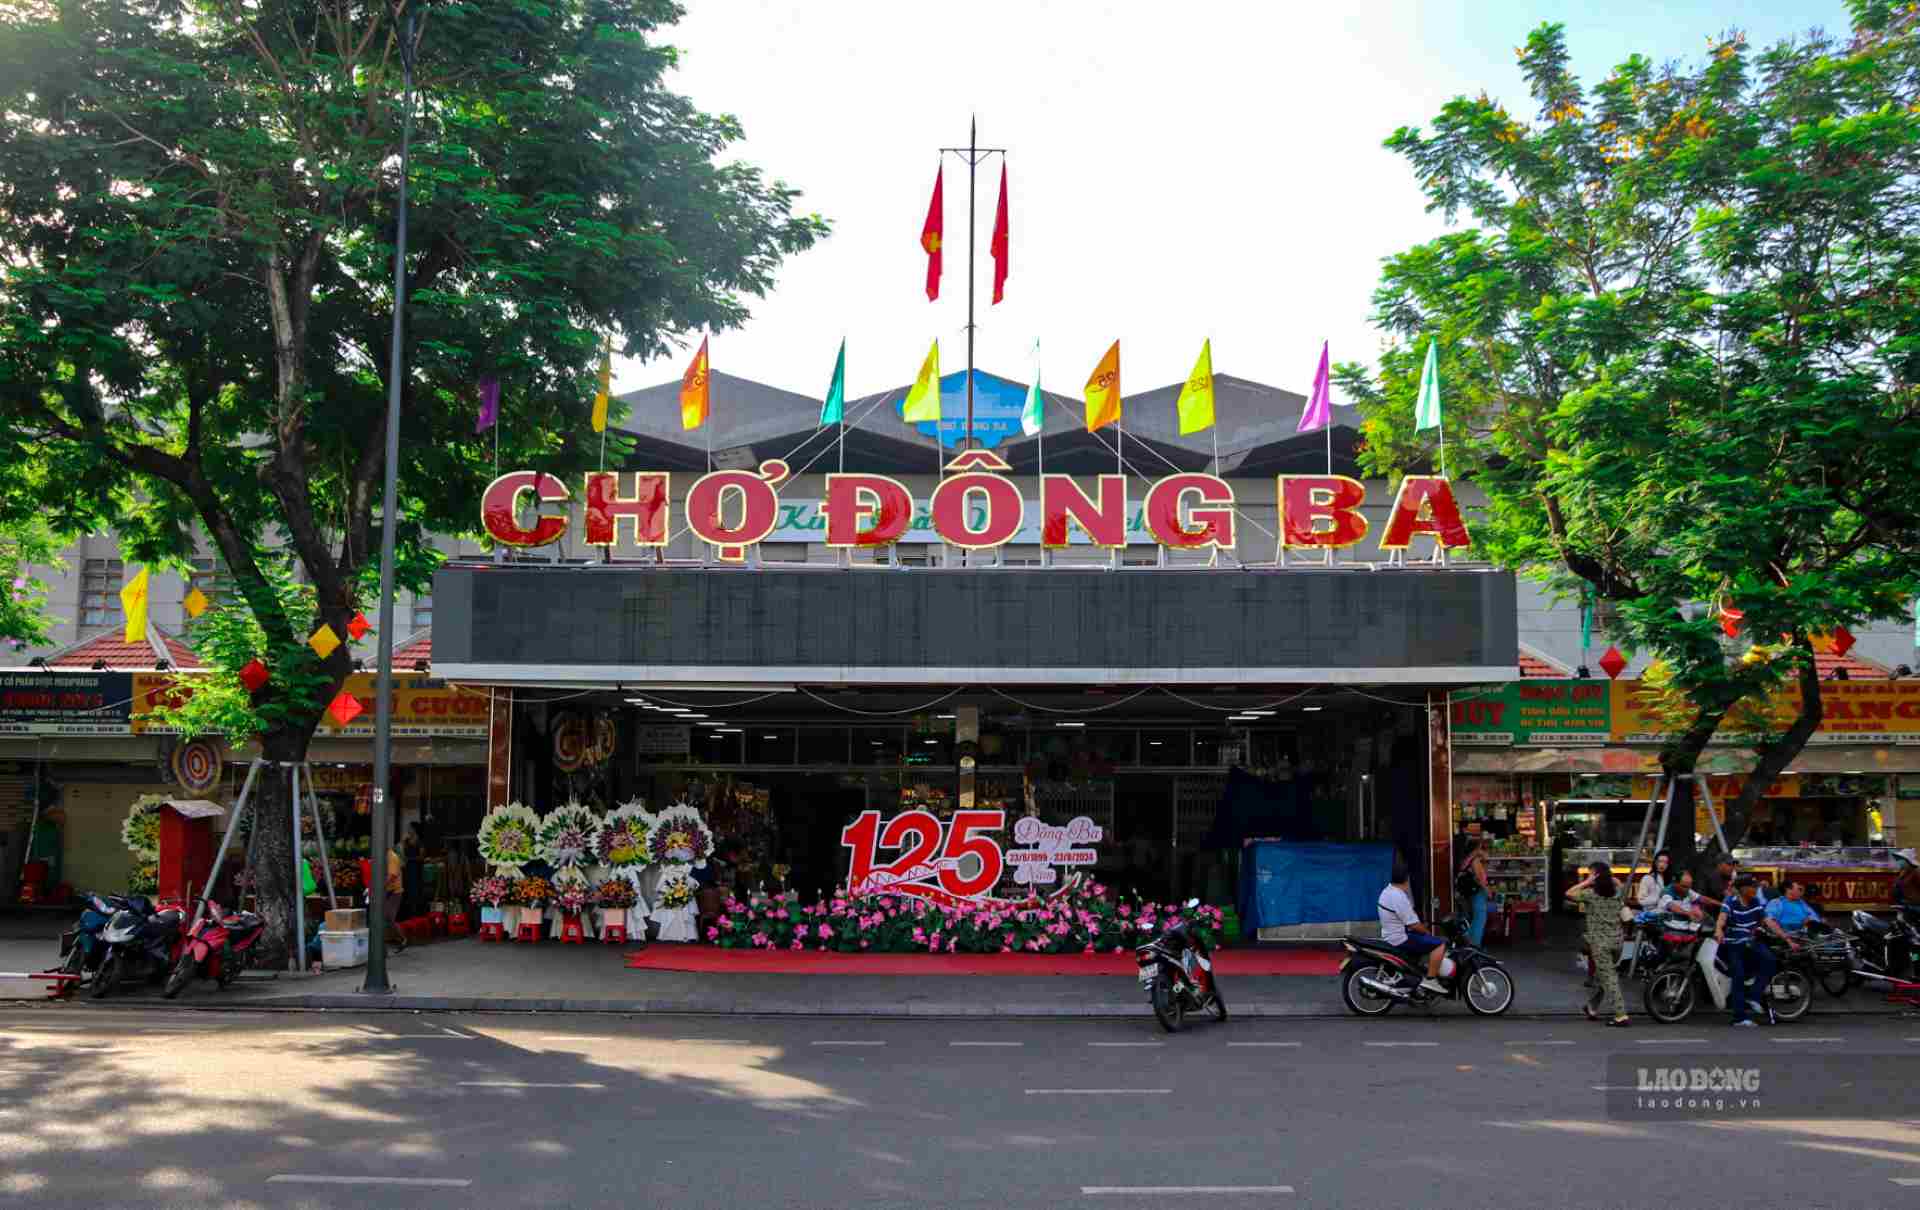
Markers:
<point>380,816</point>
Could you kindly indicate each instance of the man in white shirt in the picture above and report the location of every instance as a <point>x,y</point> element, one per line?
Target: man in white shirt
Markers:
<point>1400,926</point>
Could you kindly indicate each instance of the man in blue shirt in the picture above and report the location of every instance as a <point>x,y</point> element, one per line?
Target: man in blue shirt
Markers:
<point>1738,934</point>
<point>1792,911</point>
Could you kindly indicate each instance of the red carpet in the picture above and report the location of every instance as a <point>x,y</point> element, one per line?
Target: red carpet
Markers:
<point>713,960</point>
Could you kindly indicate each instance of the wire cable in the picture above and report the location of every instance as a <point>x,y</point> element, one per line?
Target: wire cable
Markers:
<point>881,713</point>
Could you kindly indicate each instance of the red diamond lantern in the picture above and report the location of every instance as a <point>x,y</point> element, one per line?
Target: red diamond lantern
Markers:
<point>1613,663</point>
<point>345,708</point>
<point>358,625</point>
<point>254,676</point>
<point>1730,619</point>
<point>1842,640</point>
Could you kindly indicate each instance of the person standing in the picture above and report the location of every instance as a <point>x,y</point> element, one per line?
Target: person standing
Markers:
<point>1470,884</point>
<point>1738,935</point>
<point>1602,899</point>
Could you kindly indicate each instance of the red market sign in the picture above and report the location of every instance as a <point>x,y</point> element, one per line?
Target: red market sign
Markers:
<point>975,506</point>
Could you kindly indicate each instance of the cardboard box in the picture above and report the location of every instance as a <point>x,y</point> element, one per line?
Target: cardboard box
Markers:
<point>346,920</point>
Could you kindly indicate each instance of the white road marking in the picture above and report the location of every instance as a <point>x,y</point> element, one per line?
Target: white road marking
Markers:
<point>1908,1181</point>
<point>1785,1041</point>
<point>1151,1190</point>
<point>1263,1044</point>
<point>297,1178</point>
<point>986,1044</point>
<point>1402,1043</point>
<point>1615,1088</point>
<point>1541,1042</point>
<point>520,1084</point>
<point>846,1043</point>
<point>1099,1092</point>
<point>1126,1044</point>
<point>1670,1041</point>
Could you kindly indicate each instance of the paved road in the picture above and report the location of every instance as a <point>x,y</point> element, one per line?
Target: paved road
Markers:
<point>135,1107</point>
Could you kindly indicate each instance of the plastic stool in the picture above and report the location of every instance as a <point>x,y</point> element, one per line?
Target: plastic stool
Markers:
<point>614,934</point>
<point>570,931</point>
<point>491,931</point>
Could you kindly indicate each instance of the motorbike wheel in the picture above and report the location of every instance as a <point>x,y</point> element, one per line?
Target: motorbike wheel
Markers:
<point>179,977</point>
<point>1217,1004</point>
<point>1791,994</point>
<point>76,961</point>
<point>1167,1008</point>
<point>1836,983</point>
<point>1362,999</point>
<point>230,966</point>
<point>108,977</point>
<point>1670,996</point>
<point>1488,992</point>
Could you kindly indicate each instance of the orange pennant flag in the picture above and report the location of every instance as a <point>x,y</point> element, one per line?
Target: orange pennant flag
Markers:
<point>694,404</point>
<point>1103,391</point>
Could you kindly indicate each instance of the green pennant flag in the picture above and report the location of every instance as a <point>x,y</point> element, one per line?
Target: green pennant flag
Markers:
<point>1426,413</point>
<point>1033,417</point>
<point>834,409</point>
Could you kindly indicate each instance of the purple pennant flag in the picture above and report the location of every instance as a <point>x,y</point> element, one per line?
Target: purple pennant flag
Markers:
<point>489,405</point>
<point>1319,413</point>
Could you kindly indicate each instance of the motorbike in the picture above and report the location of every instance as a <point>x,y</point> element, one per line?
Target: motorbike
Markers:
<point>140,944</point>
<point>217,948</point>
<point>1376,976</point>
<point>1886,948</point>
<point>1694,964</point>
<point>1643,953</point>
<point>81,949</point>
<point>1176,972</point>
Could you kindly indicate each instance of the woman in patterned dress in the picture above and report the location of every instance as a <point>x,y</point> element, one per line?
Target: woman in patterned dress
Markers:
<point>1602,899</point>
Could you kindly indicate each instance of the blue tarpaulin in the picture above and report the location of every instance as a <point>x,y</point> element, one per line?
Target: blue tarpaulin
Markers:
<point>1282,883</point>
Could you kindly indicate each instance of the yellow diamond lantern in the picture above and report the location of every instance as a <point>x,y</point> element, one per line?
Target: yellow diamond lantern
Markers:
<point>196,603</point>
<point>324,641</point>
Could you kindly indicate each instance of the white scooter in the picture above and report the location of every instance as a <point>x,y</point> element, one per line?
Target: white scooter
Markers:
<point>1696,962</point>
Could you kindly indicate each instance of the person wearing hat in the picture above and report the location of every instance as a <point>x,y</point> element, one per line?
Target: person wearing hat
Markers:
<point>1906,884</point>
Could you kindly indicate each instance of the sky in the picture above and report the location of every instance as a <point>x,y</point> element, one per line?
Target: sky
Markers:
<point>1209,169</point>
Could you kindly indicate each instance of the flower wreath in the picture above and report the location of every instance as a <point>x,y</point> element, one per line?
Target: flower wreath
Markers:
<point>676,890</point>
<point>140,832</point>
<point>569,835</point>
<point>680,837</point>
<point>622,842</point>
<point>509,837</point>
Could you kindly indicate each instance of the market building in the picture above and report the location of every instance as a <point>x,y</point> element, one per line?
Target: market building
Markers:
<point>1142,654</point>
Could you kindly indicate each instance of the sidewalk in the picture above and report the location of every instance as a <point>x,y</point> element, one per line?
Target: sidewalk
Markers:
<point>464,975</point>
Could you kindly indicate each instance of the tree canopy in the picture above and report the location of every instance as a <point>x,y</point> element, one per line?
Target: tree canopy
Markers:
<point>1680,348</point>
<point>197,215</point>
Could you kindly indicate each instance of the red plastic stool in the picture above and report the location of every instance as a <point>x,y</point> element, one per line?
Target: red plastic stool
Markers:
<point>570,931</point>
<point>458,925</point>
<point>491,931</point>
<point>529,929</point>
<point>614,934</point>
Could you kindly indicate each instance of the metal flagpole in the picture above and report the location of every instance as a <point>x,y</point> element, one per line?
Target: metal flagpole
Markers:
<point>296,961</point>
<point>974,155</point>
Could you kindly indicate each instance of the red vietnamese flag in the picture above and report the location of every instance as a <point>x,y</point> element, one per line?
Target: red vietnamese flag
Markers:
<point>999,244</point>
<point>930,235</point>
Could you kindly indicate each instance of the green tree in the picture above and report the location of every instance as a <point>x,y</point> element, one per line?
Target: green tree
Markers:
<point>1680,349</point>
<point>197,207</point>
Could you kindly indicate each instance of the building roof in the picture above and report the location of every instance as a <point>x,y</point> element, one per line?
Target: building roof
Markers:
<point>414,648</point>
<point>112,650</point>
<point>1537,665</point>
<point>1857,669</point>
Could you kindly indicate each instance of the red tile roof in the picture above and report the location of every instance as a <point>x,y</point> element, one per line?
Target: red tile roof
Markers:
<point>411,651</point>
<point>1857,668</point>
<point>119,654</point>
<point>1534,666</point>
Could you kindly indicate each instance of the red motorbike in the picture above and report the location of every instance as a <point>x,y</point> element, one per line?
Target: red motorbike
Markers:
<point>217,948</point>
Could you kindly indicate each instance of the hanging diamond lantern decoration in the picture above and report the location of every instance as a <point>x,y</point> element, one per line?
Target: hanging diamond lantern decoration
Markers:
<point>1613,663</point>
<point>1843,640</point>
<point>324,641</point>
<point>196,603</point>
<point>358,625</point>
<point>253,676</point>
<point>345,708</point>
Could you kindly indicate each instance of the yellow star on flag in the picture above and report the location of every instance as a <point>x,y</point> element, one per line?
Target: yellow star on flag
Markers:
<point>196,603</point>
<point>324,641</point>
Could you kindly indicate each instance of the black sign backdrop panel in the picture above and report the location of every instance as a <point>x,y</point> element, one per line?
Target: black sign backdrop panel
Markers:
<point>925,625</point>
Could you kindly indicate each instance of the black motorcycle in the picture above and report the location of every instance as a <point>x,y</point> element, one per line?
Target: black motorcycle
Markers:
<point>138,947</point>
<point>1887,948</point>
<point>1176,972</point>
<point>81,949</point>
<point>1376,976</point>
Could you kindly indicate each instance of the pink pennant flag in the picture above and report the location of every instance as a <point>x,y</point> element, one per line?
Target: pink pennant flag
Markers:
<point>1319,413</point>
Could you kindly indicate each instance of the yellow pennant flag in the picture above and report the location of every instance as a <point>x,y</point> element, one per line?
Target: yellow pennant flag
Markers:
<point>1196,398</point>
<point>601,396</point>
<point>694,402</point>
<point>133,601</point>
<point>923,401</point>
<point>1103,391</point>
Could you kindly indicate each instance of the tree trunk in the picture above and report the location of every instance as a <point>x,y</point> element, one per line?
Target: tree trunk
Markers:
<point>1777,754</point>
<point>1678,761</point>
<point>275,867</point>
